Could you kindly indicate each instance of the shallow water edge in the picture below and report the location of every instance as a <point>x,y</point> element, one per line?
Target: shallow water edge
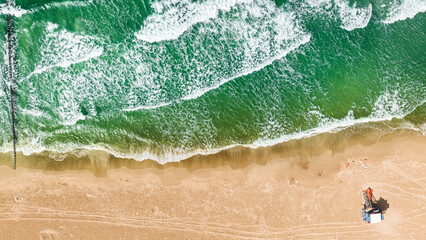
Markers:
<point>299,151</point>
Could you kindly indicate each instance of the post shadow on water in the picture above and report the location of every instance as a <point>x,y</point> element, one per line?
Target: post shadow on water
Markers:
<point>382,204</point>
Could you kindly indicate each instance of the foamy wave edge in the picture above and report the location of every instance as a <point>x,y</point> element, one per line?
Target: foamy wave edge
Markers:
<point>305,39</point>
<point>167,23</point>
<point>14,11</point>
<point>177,155</point>
<point>408,9</point>
<point>19,12</point>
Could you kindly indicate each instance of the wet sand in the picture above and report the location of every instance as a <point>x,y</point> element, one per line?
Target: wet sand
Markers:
<point>302,189</point>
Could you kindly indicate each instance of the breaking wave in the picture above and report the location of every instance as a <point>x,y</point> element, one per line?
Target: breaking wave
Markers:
<point>404,10</point>
<point>172,18</point>
<point>353,17</point>
<point>69,48</point>
<point>19,12</point>
<point>14,11</point>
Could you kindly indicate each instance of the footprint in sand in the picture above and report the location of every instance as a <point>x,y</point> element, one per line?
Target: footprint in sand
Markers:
<point>293,181</point>
<point>49,234</point>
<point>18,199</point>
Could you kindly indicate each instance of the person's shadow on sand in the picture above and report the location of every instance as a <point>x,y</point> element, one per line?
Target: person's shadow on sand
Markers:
<point>382,204</point>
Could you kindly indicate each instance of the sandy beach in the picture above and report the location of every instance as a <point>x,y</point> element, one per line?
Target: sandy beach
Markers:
<point>305,194</point>
<point>212,119</point>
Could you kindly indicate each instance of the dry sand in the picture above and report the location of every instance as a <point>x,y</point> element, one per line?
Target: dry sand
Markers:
<point>288,196</point>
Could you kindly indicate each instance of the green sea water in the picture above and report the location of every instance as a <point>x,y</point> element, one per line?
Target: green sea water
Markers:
<point>168,79</point>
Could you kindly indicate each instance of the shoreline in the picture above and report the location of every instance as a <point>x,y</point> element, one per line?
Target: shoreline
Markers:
<point>100,161</point>
<point>299,190</point>
<point>378,126</point>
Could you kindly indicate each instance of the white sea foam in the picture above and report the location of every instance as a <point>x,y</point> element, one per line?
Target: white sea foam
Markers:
<point>51,27</point>
<point>69,108</point>
<point>135,108</point>
<point>261,34</point>
<point>55,5</point>
<point>2,83</point>
<point>19,12</point>
<point>176,154</point>
<point>35,113</point>
<point>318,4</point>
<point>172,18</point>
<point>384,110</point>
<point>407,9</point>
<point>245,72</point>
<point>63,49</point>
<point>27,146</point>
<point>70,60</point>
<point>254,35</point>
<point>14,11</point>
<point>423,128</point>
<point>353,17</point>
<point>389,104</point>
<point>68,4</point>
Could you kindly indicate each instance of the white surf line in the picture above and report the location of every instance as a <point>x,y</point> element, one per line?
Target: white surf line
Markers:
<point>177,155</point>
<point>334,126</point>
<point>7,9</point>
<point>95,54</point>
<point>49,6</point>
<point>17,11</point>
<point>304,39</point>
<point>71,40</point>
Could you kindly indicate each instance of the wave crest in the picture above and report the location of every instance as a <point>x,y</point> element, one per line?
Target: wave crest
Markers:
<point>63,48</point>
<point>14,11</point>
<point>353,17</point>
<point>407,9</point>
<point>253,35</point>
<point>172,18</point>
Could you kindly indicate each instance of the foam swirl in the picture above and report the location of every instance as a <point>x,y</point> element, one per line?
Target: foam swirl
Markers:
<point>407,9</point>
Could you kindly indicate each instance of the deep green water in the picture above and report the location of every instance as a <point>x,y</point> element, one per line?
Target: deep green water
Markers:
<point>168,79</point>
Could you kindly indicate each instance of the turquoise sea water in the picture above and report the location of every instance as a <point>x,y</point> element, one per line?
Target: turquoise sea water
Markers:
<point>169,79</point>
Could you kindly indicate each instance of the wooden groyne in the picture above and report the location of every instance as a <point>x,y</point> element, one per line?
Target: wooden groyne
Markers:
<point>12,68</point>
